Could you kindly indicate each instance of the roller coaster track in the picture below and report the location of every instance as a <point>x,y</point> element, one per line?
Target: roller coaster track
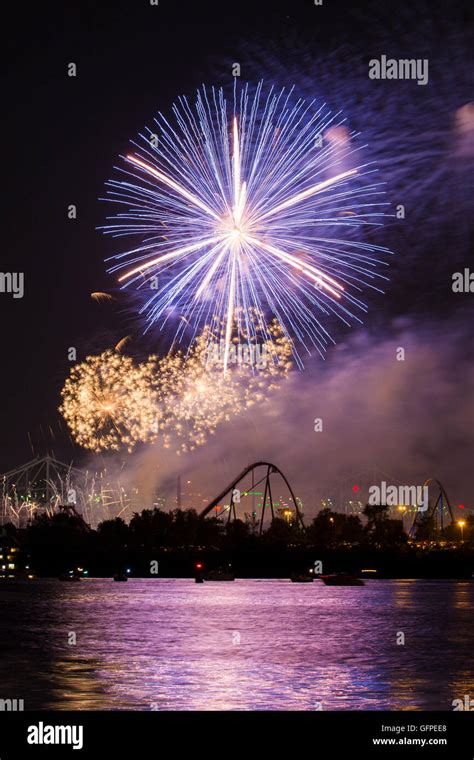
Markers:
<point>441,502</point>
<point>230,489</point>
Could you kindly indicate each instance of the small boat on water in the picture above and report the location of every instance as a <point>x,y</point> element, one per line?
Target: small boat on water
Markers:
<point>342,579</point>
<point>301,578</point>
<point>219,575</point>
<point>120,577</point>
<point>69,577</point>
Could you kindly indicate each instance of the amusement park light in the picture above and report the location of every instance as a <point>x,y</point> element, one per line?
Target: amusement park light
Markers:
<point>461,524</point>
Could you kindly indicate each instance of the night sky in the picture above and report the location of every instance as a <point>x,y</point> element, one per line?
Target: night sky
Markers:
<point>64,136</point>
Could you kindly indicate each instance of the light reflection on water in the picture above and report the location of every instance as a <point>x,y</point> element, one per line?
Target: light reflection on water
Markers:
<point>263,645</point>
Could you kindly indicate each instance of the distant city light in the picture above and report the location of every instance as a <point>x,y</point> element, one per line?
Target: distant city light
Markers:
<point>461,524</point>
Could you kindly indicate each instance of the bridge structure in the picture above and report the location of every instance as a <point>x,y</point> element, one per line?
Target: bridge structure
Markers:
<point>440,508</point>
<point>233,493</point>
<point>42,485</point>
<point>47,486</point>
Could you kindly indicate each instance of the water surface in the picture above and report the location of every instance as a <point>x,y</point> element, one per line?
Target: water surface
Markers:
<point>248,645</point>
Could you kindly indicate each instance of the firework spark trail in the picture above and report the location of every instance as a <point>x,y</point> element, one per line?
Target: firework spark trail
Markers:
<point>249,202</point>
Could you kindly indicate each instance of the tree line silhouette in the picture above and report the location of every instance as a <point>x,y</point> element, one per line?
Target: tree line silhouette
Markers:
<point>53,544</point>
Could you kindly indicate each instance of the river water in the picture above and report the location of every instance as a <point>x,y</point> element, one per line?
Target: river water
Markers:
<point>248,645</point>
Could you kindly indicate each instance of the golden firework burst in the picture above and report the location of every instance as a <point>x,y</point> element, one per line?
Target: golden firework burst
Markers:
<point>109,402</point>
<point>196,396</point>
